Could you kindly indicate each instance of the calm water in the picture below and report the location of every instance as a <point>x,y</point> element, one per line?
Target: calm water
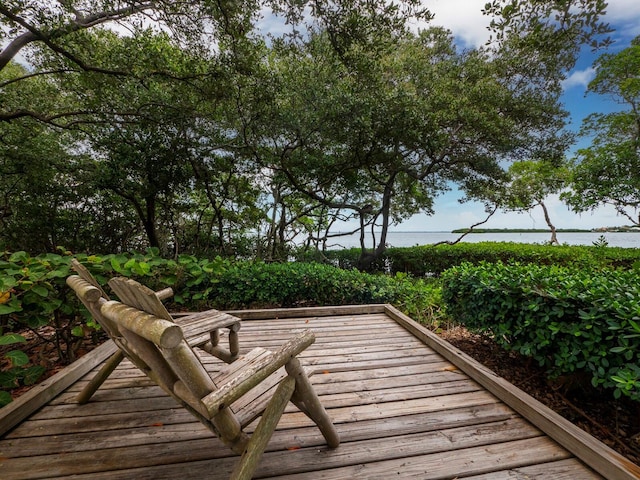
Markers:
<point>410,239</point>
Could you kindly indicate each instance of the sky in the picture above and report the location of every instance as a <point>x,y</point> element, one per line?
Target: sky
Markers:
<point>464,18</point>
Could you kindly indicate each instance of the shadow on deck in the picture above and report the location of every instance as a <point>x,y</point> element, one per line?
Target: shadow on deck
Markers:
<point>406,405</point>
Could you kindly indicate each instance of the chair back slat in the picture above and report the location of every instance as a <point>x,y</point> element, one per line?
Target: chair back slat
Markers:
<point>141,355</point>
<point>91,297</point>
<point>139,296</point>
<point>85,274</point>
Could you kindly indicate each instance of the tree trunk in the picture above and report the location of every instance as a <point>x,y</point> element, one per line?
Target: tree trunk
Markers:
<point>554,238</point>
<point>366,260</point>
<point>149,223</point>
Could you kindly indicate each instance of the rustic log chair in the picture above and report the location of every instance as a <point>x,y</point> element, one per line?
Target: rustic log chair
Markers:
<point>203,327</point>
<point>259,383</point>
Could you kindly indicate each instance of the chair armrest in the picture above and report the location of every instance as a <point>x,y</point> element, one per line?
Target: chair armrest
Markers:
<point>164,293</point>
<point>197,327</point>
<point>248,378</point>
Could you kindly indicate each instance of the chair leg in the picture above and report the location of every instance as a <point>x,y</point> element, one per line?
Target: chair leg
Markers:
<point>306,399</point>
<point>263,432</point>
<point>109,366</point>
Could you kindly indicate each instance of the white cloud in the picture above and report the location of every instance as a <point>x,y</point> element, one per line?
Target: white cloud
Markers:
<point>625,15</point>
<point>463,17</point>
<point>579,78</point>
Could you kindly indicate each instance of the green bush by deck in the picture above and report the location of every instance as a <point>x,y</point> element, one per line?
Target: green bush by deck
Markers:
<point>569,320</point>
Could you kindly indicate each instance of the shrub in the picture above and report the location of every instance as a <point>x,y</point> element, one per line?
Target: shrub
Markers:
<point>248,284</point>
<point>568,320</point>
<point>34,294</point>
<point>429,260</point>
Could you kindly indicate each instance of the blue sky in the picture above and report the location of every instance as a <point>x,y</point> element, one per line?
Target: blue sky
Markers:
<point>465,20</point>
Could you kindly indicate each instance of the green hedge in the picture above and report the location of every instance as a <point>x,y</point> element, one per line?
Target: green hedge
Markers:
<point>433,260</point>
<point>569,320</point>
<point>33,294</point>
<point>256,284</point>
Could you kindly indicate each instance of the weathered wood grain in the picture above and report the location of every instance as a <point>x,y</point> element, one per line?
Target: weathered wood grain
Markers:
<point>304,436</point>
<point>594,453</point>
<point>401,411</point>
<point>15,412</point>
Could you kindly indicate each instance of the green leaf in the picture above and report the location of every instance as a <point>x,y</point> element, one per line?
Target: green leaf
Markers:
<point>116,265</point>
<point>5,398</point>
<point>169,280</point>
<point>9,379</point>
<point>77,331</point>
<point>33,374</point>
<point>40,290</point>
<point>11,338</point>
<point>6,309</point>
<point>17,357</point>
<point>18,257</point>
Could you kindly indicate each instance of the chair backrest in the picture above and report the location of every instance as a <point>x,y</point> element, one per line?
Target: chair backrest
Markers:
<point>139,296</point>
<point>171,363</point>
<point>91,297</point>
<point>85,274</point>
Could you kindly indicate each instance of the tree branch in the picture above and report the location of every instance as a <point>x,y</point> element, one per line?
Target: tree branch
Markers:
<point>35,74</point>
<point>34,34</point>
<point>449,242</point>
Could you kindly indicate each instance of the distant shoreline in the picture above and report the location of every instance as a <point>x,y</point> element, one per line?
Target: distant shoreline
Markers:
<point>520,230</point>
<point>541,230</point>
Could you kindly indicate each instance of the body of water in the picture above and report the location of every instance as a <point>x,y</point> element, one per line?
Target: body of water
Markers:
<point>411,239</point>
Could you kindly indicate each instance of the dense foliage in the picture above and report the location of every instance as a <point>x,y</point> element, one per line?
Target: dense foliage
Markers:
<point>35,300</point>
<point>152,138</point>
<point>122,128</point>
<point>429,260</point>
<point>608,171</point>
<point>568,320</point>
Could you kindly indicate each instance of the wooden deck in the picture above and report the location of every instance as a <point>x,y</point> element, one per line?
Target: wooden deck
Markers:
<point>406,404</point>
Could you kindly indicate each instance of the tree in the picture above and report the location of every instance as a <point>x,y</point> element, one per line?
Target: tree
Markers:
<point>348,115</point>
<point>382,136</point>
<point>62,30</point>
<point>530,183</point>
<point>608,171</point>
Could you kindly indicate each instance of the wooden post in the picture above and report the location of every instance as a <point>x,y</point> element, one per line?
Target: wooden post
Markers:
<point>84,273</point>
<point>214,335</point>
<point>162,332</point>
<point>164,293</point>
<point>107,368</point>
<point>234,343</point>
<point>263,432</point>
<point>311,406</point>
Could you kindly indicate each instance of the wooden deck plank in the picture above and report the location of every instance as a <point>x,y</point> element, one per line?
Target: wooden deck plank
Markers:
<point>318,457</point>
<point>593,452</point>
<point>444,465</point>
<point>304,436</point>
<point>402,409</point>
<point>569,469</point>
<point>15,412</point>
<point>440,465</point>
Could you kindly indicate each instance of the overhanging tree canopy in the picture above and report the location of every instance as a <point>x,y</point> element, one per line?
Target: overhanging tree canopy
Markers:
<point>608,171</point>
<point>350,114</point>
